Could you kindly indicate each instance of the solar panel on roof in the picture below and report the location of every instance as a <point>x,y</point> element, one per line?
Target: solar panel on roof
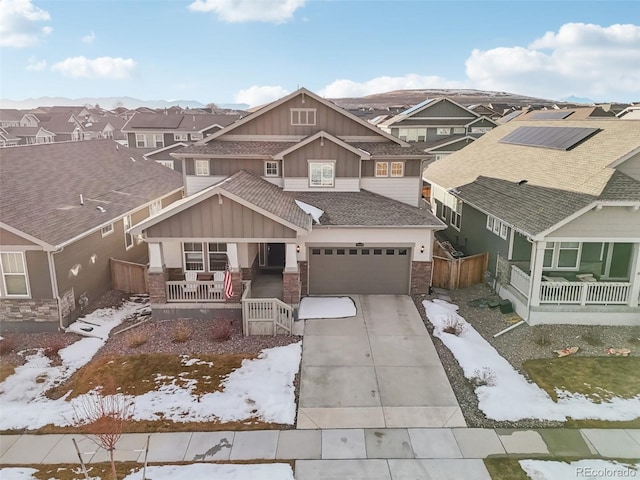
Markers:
<point>416,107</point>
<point>511,116</point>
<point>550,114</point>
<point>557,138</point>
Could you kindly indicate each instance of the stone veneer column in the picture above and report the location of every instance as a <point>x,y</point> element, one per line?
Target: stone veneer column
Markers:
<point>157,286</point>
<point>291,287</point>
<point>420,277</point>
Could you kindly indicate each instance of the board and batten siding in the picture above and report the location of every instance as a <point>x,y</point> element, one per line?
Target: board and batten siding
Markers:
<point>609,223</point>
<point>296,163</point>
<point>39,275</point>
<point>402,189</point>
<point>228,166</point>
<point>278,121</point>
<point>209,220</point>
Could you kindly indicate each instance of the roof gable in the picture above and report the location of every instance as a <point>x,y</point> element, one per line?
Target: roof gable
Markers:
<point>323,136</point>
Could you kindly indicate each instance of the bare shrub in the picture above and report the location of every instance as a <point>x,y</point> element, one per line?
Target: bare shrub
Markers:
<point>542,335</point>
<point>221,331</point>
<point>7,345</point>
<point>181,333</point>
<point>102,416</point>
<point>483,377</point>
<point>52,348</point>
<point>137,339</point>
<point>454,325</point>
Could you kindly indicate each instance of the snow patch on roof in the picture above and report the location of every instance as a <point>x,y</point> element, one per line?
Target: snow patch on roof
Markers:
<point>315,212</point>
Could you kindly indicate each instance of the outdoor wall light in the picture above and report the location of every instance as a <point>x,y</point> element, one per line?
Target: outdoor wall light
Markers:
<point>297,248</point>
<point>422,249</point>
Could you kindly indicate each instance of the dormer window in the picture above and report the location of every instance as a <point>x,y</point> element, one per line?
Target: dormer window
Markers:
<point>271,169</point>
<point>303,116</point>
<point>321,174</point>
<point>202,167</point>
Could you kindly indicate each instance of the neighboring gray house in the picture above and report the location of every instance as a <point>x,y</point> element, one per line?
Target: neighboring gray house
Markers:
<point>556,204</point>
<point>154,131</point>
<point>435,122</point>
<point>65,209</point>
<point>301,189</point>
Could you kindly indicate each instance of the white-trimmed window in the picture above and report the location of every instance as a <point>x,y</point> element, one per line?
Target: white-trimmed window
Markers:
<point>14,274</point>
<point>321,174</point>
<point>180,137</point>
<point>141,140</point>
<point>202,167</point>
<point>456,215</point>
<point>217,253</point>
<point>128,238</point>
<point>459,130</point>
<point>303,116</point>
<point>444,212</point>
<point>158,139</point>
<point>149,140</point>
<point>562,255</point>
<point>382,169</point>
<point>271,169</point>
<point>196,136</point>
<point>166,163</point>
<point>193,255</point>
<point>443,131</point>
<point>397,169</point>
<point>107,230</point>
<point>403,133</point>
<point>155,207</point>
<point>497,226</point>
<point>481,129</point>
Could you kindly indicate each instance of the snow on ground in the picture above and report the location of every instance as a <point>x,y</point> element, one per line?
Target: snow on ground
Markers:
<point>326,307</point>
<point>267,471</point>
<point>262,387</point>
<point>595,469</point>
<point>315,212</point>
<point>22,395</point>
<point>513,397</point>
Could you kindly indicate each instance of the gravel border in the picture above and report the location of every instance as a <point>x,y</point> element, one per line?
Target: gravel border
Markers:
<point>518,345</point>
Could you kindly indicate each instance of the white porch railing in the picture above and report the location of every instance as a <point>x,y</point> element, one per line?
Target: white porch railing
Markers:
<point>585,293</point>
<point>520,280</point>
<point>265,316</point>
<point>195,292</point>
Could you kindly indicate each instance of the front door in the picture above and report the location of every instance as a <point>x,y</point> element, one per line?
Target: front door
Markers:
<point>275,254</point>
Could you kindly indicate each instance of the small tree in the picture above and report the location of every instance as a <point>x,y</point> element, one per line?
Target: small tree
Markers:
<point>102,417</point>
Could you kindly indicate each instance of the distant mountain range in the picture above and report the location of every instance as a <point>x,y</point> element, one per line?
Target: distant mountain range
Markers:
<point>109,103</point>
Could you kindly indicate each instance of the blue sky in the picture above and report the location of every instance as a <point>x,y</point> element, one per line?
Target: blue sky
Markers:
<point>253,51</point>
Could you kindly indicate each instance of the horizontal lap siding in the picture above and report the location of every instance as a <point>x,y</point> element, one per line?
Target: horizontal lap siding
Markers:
<point>210,219</point>
<point>411,167</point>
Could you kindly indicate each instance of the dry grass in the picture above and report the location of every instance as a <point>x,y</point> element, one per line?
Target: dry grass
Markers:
<point>7,345</point>
<point>136,339</point>
<point>70,471</point>
<point>505,469</point>
<point>139,374</point>
<point>6,370</point>
<point>599,378</point>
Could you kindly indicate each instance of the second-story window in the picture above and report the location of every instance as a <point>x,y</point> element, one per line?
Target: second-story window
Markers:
<point>382,169</point>
<point>397,169</point>
<point>202,167</point>
<point>303,116</point>
<point>180,137</point>
<point>443,131</point>
<point>271,169</point>
<point>321,174</point>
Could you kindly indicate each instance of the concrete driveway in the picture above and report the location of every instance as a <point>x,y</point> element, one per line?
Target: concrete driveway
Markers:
<point>375,370</point>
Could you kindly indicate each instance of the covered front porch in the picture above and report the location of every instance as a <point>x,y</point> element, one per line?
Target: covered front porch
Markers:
<point>574,282</point>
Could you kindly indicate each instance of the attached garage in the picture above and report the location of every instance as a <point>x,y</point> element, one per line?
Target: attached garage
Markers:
<point>370,270</point>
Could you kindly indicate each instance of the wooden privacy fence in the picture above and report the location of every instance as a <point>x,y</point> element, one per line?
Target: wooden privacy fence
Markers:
<point>128,276</point>
<point>452,273</point>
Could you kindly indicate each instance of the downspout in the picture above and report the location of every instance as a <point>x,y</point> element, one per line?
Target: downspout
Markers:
<point>54,282</point>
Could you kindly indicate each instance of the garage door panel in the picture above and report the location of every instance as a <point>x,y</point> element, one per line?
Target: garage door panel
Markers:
<point>339,270</point>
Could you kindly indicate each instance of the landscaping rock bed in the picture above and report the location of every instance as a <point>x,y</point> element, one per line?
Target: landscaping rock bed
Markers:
<point>520,344</point>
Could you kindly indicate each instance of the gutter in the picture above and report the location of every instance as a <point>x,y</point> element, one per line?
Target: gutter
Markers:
<point>54,281</point>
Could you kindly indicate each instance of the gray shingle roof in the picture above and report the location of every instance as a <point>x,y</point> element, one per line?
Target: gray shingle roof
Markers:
<point>365,209</point>
<point>388,148</point>
<point>266,196</point>
<point>529,208</point>
<point>40,186</point>
<point>621,187</point>
<point>266,149</point>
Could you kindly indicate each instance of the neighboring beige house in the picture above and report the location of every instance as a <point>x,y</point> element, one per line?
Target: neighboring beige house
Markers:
<point>556,204</point>
<point>301,189</point>
<point>65,209</point>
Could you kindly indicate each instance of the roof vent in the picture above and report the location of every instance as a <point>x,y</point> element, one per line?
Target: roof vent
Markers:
<point>101,209</point>
<point>132,159</point>
<point>522,182</point>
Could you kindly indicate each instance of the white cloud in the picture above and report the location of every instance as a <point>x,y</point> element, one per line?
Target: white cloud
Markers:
<point>19,23</point>
<point>255,95</point>
<point>36,66</point>
<point>349,88</point>
<point>582,59</point>
<point>101,67</point>
<point>89,38</point>
<point>236,11</point>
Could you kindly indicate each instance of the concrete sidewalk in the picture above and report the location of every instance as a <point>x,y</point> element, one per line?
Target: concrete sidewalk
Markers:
<point>339,453</point>
<point>378,369</point>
